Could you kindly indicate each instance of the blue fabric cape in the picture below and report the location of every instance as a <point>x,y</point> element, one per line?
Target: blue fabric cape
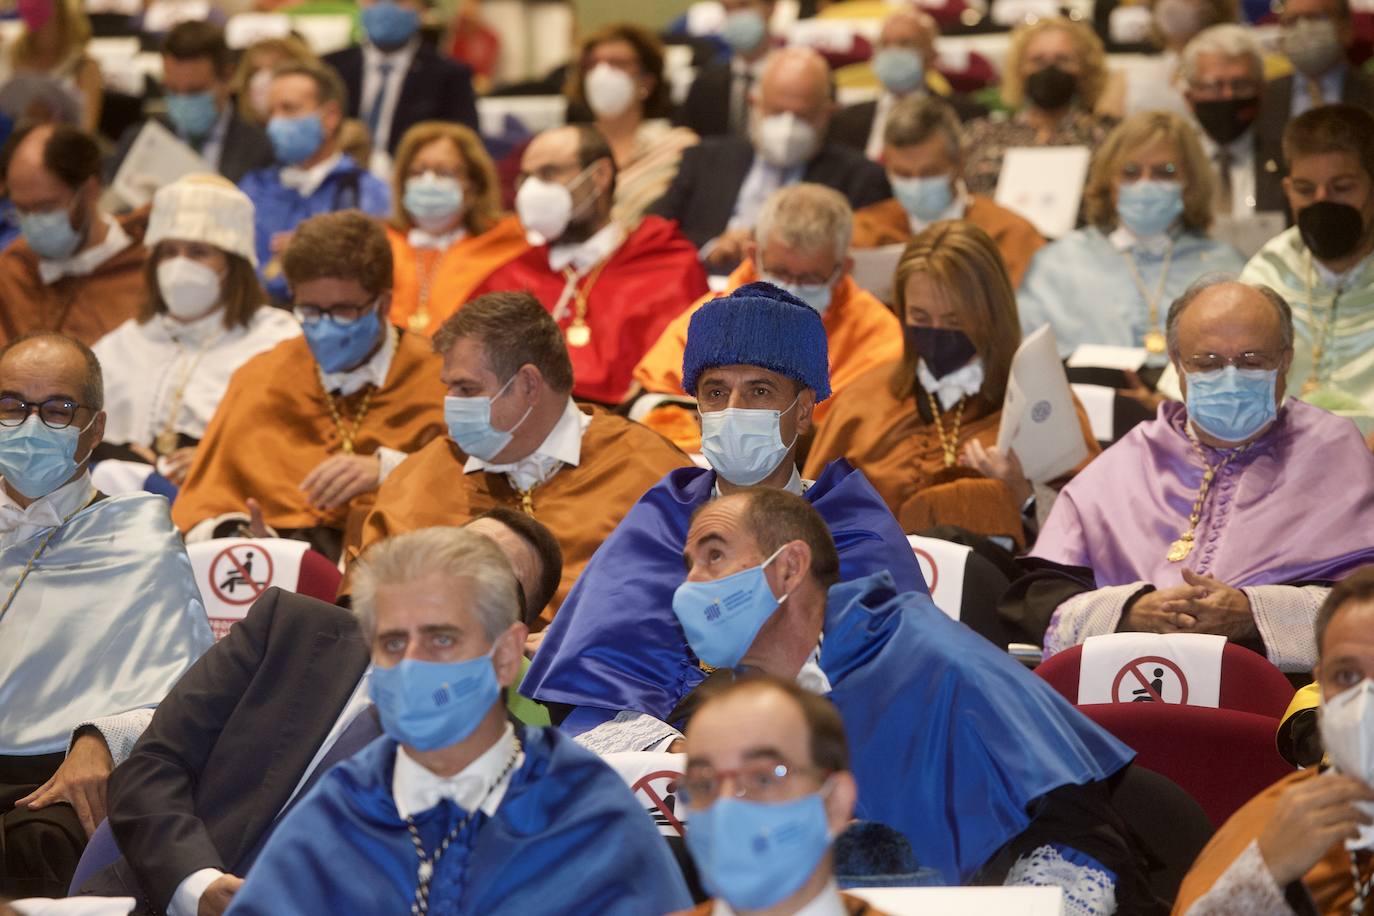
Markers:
<point>567,838</point>
<point>950,738</point>
<point>615,643</point>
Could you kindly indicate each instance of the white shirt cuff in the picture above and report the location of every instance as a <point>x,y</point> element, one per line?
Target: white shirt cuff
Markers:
<point>120,731</point>
<point>388,458</point>
<point>1093,613</point>
<point>1247,886</point>
<point>186,899</point>
<point>1286,616</point>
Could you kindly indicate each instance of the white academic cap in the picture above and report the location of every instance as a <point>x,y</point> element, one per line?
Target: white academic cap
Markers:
<point>203,208</point>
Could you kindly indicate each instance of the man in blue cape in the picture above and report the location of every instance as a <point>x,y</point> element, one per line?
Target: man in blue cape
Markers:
<point>757,363</point>
<point>454,810</point>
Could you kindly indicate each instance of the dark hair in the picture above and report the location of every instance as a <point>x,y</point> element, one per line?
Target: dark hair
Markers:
<point>1331,129</point>
<point>69,152</point>
<point>196,39</point>
<point>1358,586</point>
<point>344,245</point>
<point>917,118</point>
<point>538,536</point>
<point>92,385</point>
<point>515,330</point>
<point>776,517</point>
<point>825,728</point>
<point>649,51</point>
<point>591,146</point>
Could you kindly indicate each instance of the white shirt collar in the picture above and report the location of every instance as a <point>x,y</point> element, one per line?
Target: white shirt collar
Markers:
<point>399,58</point>
<point>373,372</point>
<point>419,238</point>
<point>83,262</point>
<point>563,445</point>
<point>956,209</point>
<point>583,256</point>
<point>1123,239</point>
<point>307,181</point>
<point>795,485</point>
<point>416,789</point>
<point>964,382</point>
<point>812,676</point>
<point>18,525</point>
<point>200,331</point>
<point>827,903</point>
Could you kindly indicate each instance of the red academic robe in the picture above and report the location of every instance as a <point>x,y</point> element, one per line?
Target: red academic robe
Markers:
<point>649,280</point>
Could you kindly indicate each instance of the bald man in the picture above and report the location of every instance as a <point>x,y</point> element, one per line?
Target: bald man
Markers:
<point>723,182</point>
<point>74,268</point>
<point>99,612</point>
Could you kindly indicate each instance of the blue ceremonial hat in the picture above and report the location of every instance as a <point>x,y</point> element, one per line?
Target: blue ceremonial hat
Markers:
<point>870,854</point>
<point>758,325</point>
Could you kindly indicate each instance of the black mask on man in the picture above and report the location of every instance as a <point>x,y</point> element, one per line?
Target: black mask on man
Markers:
<point>1051,88</point>
<point>1226,119</point>
<point>1330,230</point>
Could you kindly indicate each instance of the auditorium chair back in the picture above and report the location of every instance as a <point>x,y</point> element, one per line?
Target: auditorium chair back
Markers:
<point>232,572</point>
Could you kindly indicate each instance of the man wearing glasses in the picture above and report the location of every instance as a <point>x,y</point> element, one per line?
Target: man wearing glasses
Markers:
<point>313,424</point>
<point>1226,514</point>
<point>99,613</point>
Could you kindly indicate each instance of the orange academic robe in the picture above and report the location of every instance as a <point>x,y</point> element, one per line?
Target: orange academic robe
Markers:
<point>860,332</point>
<point>456,271</point>
<point>651,277</point>
<point>886,223</point>
<point>274,427</point>
<point>581,505</point>
<point>900,454</point>
<point>87,307</point>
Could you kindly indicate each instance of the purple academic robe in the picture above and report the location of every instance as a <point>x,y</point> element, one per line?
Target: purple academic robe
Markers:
<point>1296,506</point>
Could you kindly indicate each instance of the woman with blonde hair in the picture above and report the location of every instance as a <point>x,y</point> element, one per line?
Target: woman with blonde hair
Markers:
<point>448,232</point>
<point>253,78</point>
<point>1148,205</point>
<point>53,44</point>
<point>1055,72</point>
<point>924,429</point>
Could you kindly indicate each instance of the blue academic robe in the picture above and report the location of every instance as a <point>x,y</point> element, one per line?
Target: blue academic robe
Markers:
<point>568,837</point>
<point>615,643</point>
<point>278,208</point>
<point>950,738</point>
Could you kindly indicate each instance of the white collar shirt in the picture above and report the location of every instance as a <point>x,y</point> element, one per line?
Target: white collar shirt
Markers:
<point>583,256</point>
<point>84,262</point>
<point>1240,154</point>
<point>373,372</point>
<point>43,514</point>
<point>419,238</point>
<point>398,61</point>
<point>563,445</point>
<point>307,181</point>
<point>956,209</point>
<point>483,782</point>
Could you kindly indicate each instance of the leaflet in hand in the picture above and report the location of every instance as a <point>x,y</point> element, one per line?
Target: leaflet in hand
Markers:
<point>1039,421</point>
<point>157,157</point>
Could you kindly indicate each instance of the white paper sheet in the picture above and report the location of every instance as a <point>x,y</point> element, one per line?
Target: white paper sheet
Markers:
<point>964,901</point>
<point>162,15</point>
<point>1099,403</point>
<point>874,269</point>
<point>1039,420</point>
<point>1105,356</point>
<point>156,158</point>
<point>1045,185</point>
<point>74,906</point>
<point>246,28</point>
<point>1250,233</point>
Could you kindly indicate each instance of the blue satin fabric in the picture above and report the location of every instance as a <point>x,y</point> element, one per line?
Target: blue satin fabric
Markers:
<point>615,643</point>
<point>567,838</point>
<point>950,739</point>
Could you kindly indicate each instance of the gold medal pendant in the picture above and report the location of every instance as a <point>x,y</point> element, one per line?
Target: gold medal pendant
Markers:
<point>418,323</point>
<point>1155,343</point>
<point>166,442</point>
<point>1179,550</point>
<point>579,335</point>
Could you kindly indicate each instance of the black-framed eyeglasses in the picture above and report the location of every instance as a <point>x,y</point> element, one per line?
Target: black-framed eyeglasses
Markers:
<point>56,413</point>
<point>339,313</point>
<point>756,780</point>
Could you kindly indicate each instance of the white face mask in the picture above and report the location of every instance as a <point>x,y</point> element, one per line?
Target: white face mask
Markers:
<point>785,140</point>
<point>545,208</point>
<point>610,91</point>
<point>189,288</point>
<point>1347,729</point>
<point>743,444</point>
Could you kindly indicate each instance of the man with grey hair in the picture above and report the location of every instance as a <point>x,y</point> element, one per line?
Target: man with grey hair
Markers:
<point>1222,71</point>
<point>454,807</point>
<point>1199,521</point>
<point>924,157</point>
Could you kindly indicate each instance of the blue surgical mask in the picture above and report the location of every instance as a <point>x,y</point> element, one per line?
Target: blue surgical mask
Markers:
<point>429,705</point>
<point>744,444</point>
<point>1149,207</point>
<point>469,424</point>
<point>924,199</point>
<point>432,200</point>
<point>50,234</point>
<point>36,459</point>
<point>295,140</point>
<point>900,70</point>
<point>816,295</point>
<point>744,30</point>
<point>721,618</point>
<point>757,854</point>
<point>1232,404</point>
<point>192,114</point>
<point>389,25</point>
<point>340,347</point>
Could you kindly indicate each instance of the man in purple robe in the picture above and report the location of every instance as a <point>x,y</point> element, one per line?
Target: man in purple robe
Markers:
<point>1229,513</point>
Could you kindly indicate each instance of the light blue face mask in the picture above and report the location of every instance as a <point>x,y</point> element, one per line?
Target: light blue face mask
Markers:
<point>816,295</point>
<point>924,199</point>
<point>50,234</point>
<point>744,30</point>
<point>721,618</point>
<point>429,705</point>
<point>469,424</point>
<point>900,70</point>
<point>432,200</point>
<point>744,444</point>
<point>757,854</point>
<point>192,114</point>
<point>295,140</point>
<point>1148,207</point>
<point>1230,404</point>
<point>36,459</point>
<point>389,25</point>
<point>341,347</point>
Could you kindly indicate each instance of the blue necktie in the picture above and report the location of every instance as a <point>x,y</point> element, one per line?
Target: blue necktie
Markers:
<point>374,112</point>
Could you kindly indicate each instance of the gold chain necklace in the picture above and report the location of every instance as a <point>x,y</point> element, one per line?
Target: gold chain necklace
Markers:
<point>579,333</point>
<point>1155,342</point>
<point>28,567</point>
<point>948,444</point>
<point>419,321</point>
<point>165,442</point>
<point>1319,342</point>
<point>1179,549</point>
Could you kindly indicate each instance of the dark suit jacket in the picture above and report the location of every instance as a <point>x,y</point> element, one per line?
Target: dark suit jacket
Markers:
<point>702,196</point>
<point>853,123</point>
<point>707,107</point>
<point>246,148</point>
<point>228,745</point>
<point>435,89</point>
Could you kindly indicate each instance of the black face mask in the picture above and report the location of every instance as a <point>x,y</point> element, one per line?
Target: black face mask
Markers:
<point>1051,88</point>
<point>942,349</point>
<point>1226,119</point>
<point>1330,230</point>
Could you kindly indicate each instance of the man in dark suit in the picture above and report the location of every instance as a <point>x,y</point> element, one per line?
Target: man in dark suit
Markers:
<point>723,182</point>
<point>717,103</point>
<point>395,81</point>
<point>251,727</point>
<point>197,68</point>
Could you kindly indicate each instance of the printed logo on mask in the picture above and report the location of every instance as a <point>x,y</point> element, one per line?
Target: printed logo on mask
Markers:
<point>712,612</point>
<point>441,697</point>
